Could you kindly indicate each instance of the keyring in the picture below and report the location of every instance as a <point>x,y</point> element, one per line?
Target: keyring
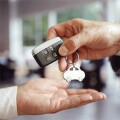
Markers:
<point>73,60</point>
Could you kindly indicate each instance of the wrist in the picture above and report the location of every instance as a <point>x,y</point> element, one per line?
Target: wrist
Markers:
<point>19,101</point>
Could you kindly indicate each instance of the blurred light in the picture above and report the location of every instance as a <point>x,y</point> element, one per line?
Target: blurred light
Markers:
<point>13,0</point>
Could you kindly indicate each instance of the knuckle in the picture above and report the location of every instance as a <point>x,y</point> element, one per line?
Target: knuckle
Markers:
<point>76,19</point>
<point>85,31</point>
<point>51,28</point>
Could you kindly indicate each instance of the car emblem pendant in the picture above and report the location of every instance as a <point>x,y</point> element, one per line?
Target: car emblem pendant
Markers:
<point>73,72</point>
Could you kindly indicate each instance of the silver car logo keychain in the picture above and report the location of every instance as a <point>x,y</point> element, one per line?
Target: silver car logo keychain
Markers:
<point>73,72</point>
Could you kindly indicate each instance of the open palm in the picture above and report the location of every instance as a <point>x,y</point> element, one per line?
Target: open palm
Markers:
<point>42,96</point>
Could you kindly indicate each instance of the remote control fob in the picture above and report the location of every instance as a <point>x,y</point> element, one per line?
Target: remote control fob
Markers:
<point>47,52</point>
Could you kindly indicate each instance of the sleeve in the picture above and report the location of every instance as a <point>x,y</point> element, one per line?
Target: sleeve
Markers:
<point>8,107</point>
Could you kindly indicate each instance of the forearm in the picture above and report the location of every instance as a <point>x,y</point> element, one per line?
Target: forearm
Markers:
<point>8,107</point>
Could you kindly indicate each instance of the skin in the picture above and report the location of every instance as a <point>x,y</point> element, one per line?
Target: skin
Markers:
<point>91,39</point>
<point>41,96</point>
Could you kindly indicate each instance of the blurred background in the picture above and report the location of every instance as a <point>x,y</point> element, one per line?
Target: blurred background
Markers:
<point>24,25</point>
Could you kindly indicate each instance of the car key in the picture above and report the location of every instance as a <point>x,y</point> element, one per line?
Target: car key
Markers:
<point>47,52</point>
<point>73,72</point>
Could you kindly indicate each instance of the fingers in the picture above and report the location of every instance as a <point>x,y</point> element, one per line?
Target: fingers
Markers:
<point>73,43</point>
<point>91,54</point>
<point>74,101</point>
<point>57,30</point>
<point>80,91</point>
<point>78,100</point>
<point>62,64</point>
<point>97,96</point>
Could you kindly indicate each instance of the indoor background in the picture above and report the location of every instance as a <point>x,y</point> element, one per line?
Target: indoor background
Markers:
<point>24,25</point>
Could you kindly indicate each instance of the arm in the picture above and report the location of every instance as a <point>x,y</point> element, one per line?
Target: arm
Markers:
<point>42,96</point>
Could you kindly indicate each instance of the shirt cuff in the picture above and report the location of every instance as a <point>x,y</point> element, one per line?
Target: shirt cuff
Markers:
<point>8,105</point>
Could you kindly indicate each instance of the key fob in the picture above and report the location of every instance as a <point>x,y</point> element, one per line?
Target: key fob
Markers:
<point>47,52</point>
<point>73,73</point>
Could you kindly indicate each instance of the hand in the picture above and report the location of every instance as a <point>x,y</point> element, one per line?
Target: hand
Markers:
<point>40,96</point>
<point>93,40</point>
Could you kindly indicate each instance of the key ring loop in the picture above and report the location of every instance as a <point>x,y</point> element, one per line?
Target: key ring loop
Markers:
<point>74,61</point>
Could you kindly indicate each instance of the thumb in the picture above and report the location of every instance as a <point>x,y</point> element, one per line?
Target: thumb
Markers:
<point>72,44</point>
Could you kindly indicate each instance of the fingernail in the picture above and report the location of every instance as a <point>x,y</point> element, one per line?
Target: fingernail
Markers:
<point>88,97</point>
<point>63,50</point>
<point>104,96</point>
<point>101,96</point>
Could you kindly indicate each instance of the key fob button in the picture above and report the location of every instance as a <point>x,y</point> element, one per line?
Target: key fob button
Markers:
<point>51,48</point>
<point>57,46</point>
<point>44,52</point>
<point>55,54</point>
<point>47,52</point>
<point>48,58</point>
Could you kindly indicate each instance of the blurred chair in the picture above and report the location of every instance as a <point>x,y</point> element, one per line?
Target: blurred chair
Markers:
<point>7,69</point>
<point>115,63</point>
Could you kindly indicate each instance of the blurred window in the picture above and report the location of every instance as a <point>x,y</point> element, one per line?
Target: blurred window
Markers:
<point>34,29</point>
<point>117,10</point>
<point>89,11</point>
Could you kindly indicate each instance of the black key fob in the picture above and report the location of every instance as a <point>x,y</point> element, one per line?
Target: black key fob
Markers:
<point>47,52</point>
